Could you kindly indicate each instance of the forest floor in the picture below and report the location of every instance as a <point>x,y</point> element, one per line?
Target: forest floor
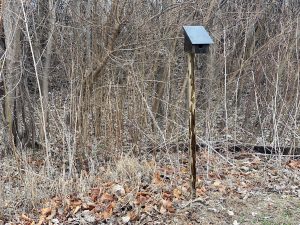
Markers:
<point>239,188</point>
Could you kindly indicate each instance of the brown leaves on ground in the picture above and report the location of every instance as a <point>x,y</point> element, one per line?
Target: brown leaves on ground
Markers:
<point>105,201</point>
<point>166,193</point>
<point>26,220</point>
<point>294,164</point>
<point>166,206</point>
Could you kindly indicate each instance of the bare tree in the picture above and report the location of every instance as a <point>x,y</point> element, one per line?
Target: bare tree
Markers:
<point>13,75</point>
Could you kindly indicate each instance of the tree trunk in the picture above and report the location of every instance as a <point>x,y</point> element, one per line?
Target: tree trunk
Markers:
<point>12,77</point>
<point>49,50</point>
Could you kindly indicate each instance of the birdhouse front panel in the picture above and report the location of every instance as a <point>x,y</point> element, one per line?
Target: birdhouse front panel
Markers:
<point>196,39</point>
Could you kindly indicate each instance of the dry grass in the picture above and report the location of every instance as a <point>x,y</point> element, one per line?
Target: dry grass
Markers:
<point>250,190</point>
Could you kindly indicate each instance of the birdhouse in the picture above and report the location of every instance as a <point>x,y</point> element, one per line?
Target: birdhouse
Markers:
<point>196,39</point>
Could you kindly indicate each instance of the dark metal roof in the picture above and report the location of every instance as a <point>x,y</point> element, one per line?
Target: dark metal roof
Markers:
<point>197,35</point>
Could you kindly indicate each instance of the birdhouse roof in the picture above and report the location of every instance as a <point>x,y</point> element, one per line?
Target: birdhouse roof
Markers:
<point>197,35</point>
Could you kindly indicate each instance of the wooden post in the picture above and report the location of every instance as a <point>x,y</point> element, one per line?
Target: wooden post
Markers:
<point>196,41</point>
<point>192,121</point>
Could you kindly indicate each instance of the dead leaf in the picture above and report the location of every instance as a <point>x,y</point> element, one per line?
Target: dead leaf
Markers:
<point>77,208</point>
<point>25,218</point>
<point>221,188</point>
<point>201,191</point>
<point>52,214</point>
<point>106,198</point>
<point>88,205</point>
<point>148,208</point>
<point>46,212</point>
<point>106,215</point>
<point>133,215</point>
<point>166,195</point>
<point>185,189</point>
<point>168,169</point>
<point>150,164</point>
<point>294,164</point>
<point>256,161</point>
<point>143,193</point>
<point>157,179</point>
<point>162,210</point>
<point>217,183</point>
<point>184,170</point>
<point>141,198</point>
<point>108,211</point>
<point>95,193</point>
<point>76,202</point>
<point>56,202</point>
<point>177,193</point>
<point>126,219</point>
<point>41,220</point>
<point>214,175</point>
<point>108,184</point>
<point>168,205</point>
<point>118,190</point>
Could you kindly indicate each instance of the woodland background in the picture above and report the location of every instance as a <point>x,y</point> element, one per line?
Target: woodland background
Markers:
<point>88,81</point>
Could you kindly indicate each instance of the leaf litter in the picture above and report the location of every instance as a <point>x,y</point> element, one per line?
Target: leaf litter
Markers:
<point>252,191</point>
